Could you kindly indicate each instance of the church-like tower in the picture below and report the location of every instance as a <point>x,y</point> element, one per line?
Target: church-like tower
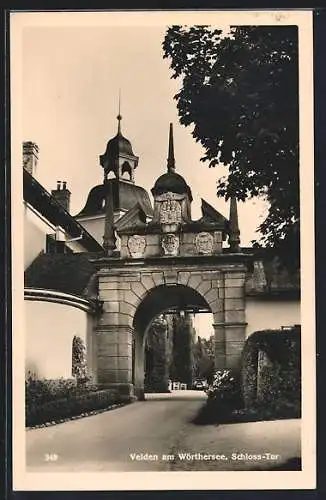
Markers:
<point>119,164</point>
<point>119,157</point>
<point>172,196</point>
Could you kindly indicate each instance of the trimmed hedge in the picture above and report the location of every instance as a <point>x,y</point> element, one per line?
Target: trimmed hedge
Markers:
<point>280,379</point>
<point>57,409</point>
<point>50,400</point>
<point>43,390</point>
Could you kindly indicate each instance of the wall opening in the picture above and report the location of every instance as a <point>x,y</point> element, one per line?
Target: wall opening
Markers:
<point>164,337</point>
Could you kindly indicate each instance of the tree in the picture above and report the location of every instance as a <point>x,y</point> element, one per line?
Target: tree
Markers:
<point>181,363</point>
<point>156,369</point>
<point>240,92</point>
<point>79,365</point>
<point>203,351</point>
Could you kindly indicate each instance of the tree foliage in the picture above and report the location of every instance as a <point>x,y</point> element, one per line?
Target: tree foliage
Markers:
<point>156,372</point>
<point>240,94</point>
<point>181,362</point>
<point>203,358</point>
<point>79,365</point>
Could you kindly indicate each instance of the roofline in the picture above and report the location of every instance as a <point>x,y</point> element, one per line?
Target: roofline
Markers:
<point>113,180</point>
<point>42,201</point>
<point>46,295</point>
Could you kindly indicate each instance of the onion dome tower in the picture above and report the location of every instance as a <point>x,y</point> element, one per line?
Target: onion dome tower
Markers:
<point>172,195</point>
<point>119,157</point>
<point>119,160</point>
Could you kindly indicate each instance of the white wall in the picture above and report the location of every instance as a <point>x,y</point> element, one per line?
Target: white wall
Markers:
<point>50,328</point>
<point>35,231</point>
<point>95,227</point>
<point>36,228</point>
<point>271,314</point>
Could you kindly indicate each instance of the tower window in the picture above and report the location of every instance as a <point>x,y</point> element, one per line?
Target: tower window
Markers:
<point>126,171</point>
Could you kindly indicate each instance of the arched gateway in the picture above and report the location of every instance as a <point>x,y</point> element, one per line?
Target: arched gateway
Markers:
<point>170,262</point>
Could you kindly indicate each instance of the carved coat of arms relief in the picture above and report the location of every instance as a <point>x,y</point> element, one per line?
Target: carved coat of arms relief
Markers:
<point>204,243</point>
<point>170,244</point>
<point>136,245</point>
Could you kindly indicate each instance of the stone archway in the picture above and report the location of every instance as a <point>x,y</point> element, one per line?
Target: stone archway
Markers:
<point>215,282</point>
<point>158,300</point>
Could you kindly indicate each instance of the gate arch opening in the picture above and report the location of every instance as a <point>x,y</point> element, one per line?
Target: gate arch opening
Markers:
<point>166,299</point>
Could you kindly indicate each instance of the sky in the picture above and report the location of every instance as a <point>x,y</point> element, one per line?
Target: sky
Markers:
<point>64,96</point>
<point>71,79</point>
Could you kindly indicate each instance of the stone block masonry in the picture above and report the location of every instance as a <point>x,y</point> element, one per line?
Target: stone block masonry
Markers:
<point>124,289</point>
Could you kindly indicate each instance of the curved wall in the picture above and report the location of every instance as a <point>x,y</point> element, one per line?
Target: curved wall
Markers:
<point>50,328</point>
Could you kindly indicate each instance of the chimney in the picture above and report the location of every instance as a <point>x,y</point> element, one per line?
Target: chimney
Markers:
<point>62,195</point>
<point>30,157</point>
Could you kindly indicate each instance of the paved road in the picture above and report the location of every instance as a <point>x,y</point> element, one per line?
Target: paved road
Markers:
<point>138,437</point>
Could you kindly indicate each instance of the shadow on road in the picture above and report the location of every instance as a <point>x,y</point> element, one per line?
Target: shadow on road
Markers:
<point>210,415</point>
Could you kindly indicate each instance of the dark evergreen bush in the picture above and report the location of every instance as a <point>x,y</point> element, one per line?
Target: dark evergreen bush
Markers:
<point>43,390</point>
<point>280,380</point>
<point>61,408</point>
<point>224,395</point>
<point>50,400</point>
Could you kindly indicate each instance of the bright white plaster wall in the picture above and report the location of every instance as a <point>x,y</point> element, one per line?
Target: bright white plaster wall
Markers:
<point>261,314</point>
<point>95,227</point>
<point>50,328</point>
<point>36,228</point>
<point>35,231</point>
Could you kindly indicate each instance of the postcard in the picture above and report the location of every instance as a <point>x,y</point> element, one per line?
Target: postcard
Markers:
<point>162,250</point>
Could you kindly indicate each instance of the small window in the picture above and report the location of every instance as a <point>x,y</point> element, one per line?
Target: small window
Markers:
<point>55,246</point>
<point>126,171</point>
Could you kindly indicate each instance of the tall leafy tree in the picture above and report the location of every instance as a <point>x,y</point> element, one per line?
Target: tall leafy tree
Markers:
<point>181,367</point>
<point>157,373</point>
<point>240,93</point>
<point>203,351</point>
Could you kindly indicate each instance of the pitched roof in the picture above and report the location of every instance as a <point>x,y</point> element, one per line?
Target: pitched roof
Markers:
<point>40,199</point>
<point>268,277</point>
<point>68,273</point>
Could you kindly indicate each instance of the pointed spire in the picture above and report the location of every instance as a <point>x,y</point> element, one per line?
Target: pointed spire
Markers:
<point>109,238</point>
<point>119,117</point>
<point>171,160</point>
<point>234,235</point>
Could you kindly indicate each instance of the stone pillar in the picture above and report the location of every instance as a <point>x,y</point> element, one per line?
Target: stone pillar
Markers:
<point>229,320</point>
<point>139,365</point>
<point>114,358</point>
<point>114,337</point>
<point>234,317</point>
<point>91,348</point>
<point>220,348</point>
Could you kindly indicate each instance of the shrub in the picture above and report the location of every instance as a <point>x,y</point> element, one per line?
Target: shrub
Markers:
<point>44,390</point>
<point>224,395</point>
<point>57,409</point>
<point>280,378</point>
<point>79,365</point>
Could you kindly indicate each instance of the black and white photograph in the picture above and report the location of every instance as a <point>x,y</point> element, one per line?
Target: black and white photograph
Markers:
<point>162,237</point>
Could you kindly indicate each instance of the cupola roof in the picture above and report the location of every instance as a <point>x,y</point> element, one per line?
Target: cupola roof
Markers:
<point>125,197</point>
<point>171,181</point>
